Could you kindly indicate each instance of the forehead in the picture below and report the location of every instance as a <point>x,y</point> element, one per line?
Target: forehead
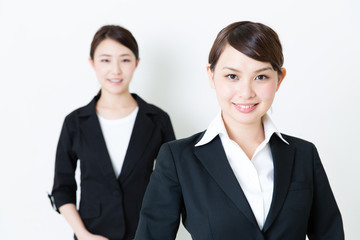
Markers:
<point>232,58</point>
<point>111,47</point>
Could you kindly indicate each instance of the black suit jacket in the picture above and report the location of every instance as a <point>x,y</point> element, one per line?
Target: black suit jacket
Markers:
<point>199,184</point>
<point>109,206</point>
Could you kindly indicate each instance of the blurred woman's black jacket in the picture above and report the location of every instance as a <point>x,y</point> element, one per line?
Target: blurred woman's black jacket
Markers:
<point>109,205</point>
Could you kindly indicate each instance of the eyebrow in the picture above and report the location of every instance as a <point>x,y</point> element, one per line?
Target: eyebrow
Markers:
<point>256,71</point>
<point>109,55</point>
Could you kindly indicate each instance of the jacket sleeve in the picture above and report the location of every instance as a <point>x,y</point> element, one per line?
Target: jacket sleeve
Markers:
<point>169,134</point>
<point>162,203</point>
<point>64,188</point>
<point>325,218</point>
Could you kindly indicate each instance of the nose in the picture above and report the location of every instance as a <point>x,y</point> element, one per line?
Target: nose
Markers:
<point>245,89</point>
<point>116,68</point>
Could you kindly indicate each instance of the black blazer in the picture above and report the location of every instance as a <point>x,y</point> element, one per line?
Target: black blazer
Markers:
<point>109,206</point>
<point>199,184</point>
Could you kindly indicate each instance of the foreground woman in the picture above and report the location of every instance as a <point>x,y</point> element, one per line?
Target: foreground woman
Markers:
<point>241,178</point>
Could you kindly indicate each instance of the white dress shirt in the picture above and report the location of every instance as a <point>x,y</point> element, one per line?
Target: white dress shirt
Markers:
<point>256,175</point>
<point>117,133</point>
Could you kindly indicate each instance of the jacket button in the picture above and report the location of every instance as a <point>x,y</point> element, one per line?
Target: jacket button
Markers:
<point>116,193</point>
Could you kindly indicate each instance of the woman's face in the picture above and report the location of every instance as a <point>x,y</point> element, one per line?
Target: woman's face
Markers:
<point>245,87</point>
<point>114,65</point>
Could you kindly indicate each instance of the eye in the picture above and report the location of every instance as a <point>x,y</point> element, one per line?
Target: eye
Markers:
<point>232,76</point>
<point>126,60</point>
<point>105,60</point>
<point>261,77</point>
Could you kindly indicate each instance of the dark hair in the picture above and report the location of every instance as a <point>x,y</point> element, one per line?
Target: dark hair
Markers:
<point>116,33</point>
<point>255,40</point>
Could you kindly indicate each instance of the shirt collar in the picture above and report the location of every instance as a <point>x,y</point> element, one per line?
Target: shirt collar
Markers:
<point>217,127</point>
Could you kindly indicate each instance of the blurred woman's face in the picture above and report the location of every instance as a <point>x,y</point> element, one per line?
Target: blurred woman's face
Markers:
<point>245,87</point>
<point>114,65</point>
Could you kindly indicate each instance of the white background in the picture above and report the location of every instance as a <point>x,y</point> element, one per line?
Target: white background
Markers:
<point>44,73</point>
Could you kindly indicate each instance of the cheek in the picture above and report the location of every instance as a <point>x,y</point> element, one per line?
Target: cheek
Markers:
<point>128,68</point>
<point>100,70</point>
<point>267,91</point>
<point>224,90</point>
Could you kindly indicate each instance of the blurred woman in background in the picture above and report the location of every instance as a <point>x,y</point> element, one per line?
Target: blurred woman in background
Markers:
<point>116,137</point>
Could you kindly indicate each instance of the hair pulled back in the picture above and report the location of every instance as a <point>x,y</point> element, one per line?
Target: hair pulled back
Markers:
<point>255,40</point>
<point>116,33</point>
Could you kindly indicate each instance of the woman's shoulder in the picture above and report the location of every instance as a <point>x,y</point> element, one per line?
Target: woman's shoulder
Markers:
<point>147,107</point>
<point>186,142</point>
<point>83,111</point>
<point>157,114</point>
<point>153,109</point>
<point>297,142</point>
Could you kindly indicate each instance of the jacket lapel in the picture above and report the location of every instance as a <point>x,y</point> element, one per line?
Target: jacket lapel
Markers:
<point>213,157</point>
<point>140,138</point>
<point>283,157</point>
<point>91,130</point>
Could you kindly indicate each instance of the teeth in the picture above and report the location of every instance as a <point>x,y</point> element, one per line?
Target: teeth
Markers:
<point>245,106</point>
<point>115,80</point>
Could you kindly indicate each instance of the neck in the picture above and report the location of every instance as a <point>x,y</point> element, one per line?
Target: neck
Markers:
<point>247,136</point>
<point>114,106</point>
<point>116,101</point>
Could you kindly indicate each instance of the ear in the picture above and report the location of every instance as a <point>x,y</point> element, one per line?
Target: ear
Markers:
<point>210,76</point>
<point>91,62</point>
<point>281,77</point>
<point>137,62</point>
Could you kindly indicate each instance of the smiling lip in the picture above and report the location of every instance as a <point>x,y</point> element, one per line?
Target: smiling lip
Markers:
<point>115,80</point>
<point>245,108</point>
